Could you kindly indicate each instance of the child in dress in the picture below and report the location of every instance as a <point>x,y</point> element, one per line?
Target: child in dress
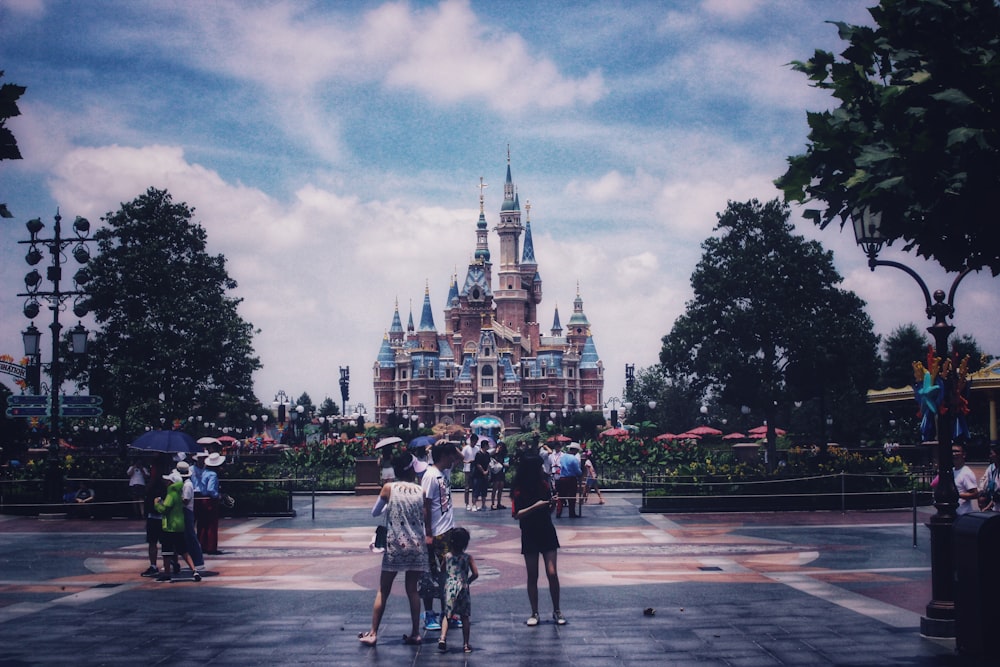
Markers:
<point>460,569</point>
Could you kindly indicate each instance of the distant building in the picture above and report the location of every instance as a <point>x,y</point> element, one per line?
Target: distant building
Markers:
<point>492,357</point>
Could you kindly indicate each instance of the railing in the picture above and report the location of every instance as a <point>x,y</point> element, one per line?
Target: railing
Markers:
<point>840,491</point>
<point>252,497</point>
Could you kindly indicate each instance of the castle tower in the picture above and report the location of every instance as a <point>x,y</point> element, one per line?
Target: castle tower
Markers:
<point>510,294</point>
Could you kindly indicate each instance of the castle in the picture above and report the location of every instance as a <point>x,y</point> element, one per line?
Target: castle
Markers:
<point>492,358</point>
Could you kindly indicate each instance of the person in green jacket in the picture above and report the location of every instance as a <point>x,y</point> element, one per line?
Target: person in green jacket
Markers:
<point>172,509</point>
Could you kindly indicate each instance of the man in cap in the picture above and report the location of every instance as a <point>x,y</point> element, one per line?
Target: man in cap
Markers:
<point>172,509</point>
<point>206,499</point>
<point>183,469</point>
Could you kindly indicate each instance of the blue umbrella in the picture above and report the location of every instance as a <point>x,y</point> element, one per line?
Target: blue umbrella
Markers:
<point>423,441</point>
<point>169,442</point>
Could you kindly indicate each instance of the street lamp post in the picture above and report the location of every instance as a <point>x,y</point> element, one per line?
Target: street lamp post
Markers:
<point>56,297</point>
<point>939,620</point>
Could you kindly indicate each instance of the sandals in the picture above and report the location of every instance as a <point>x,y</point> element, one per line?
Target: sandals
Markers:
<point>467,648</point>
<point>413,640</point>
<point>367,638</point>
<point>443,646</point>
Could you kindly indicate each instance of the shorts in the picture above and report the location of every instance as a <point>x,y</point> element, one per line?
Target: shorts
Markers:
<point>137,491</point>
<point>174,543</point>
<point>431,584</point>
<point>479,485</point>
<point>591,484</point>
<point>154,530</point>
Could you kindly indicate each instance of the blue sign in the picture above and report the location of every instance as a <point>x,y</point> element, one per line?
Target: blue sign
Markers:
<point>40,411</point>
<point>27,401</point>
<point>80,411</point>
<point>81,400</point>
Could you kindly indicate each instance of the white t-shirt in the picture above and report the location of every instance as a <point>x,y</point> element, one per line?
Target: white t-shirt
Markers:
<point>468,456</point>
<point>965,481</point>
<point>437,489</point>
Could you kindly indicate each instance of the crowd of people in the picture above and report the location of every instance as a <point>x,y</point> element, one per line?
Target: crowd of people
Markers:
<point>423,541</point>
<point>182,510</point>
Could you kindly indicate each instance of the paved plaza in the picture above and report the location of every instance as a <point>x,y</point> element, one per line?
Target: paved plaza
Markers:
<point>752,590</point>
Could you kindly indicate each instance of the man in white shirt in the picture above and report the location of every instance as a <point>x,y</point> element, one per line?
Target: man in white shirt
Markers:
<point>439,519</point>
<point>965,480</point>
<point>468,456</point>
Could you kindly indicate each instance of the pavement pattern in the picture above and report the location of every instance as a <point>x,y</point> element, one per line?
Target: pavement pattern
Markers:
<point>812,588</point>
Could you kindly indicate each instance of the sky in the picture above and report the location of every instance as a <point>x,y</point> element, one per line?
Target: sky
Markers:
<point>333,153</point>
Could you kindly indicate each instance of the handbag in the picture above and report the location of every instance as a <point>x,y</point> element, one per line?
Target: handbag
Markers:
<point>378,542</point>
<point>495,467</point>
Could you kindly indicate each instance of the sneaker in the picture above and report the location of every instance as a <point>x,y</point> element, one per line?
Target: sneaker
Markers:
<point>163,577</point>
<point>532,620</point>
<point>558,617</point>
<point>196,576</point>
<point>468,508</point>
<point>431,621</point>
<point>475,509</point>
<point>151,571</point>
<point>455,622</point>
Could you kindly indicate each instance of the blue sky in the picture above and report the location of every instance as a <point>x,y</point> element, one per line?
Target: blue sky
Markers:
<point>333,152</point>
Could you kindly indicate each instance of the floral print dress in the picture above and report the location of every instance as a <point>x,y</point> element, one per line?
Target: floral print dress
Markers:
<point>405,550</point>
<point>457,601</point>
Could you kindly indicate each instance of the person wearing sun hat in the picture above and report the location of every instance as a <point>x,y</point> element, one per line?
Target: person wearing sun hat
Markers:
<point>207,499</point>
<point>183,468</point>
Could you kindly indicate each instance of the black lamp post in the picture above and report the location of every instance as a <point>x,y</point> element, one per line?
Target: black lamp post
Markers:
<point>345,388</point>
<point>56,297</point>
<point>939,620</point>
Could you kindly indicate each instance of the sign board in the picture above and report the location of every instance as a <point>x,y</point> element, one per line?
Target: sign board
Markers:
<point>37,411</point>
<point>10,368</point>
<point>80,411</point>
<point>27,401</point>
<point>80,400</point>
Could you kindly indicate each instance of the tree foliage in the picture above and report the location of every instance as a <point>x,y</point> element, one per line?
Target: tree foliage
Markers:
<point>900,349</point>
<point>915,136</point>
<point>9,94</point>
<point>170,339</point>
<point>768,324</point>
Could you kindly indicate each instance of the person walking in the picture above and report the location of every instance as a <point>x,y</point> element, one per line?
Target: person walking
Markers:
<point>468,459</point>
<point>568,483</point>
<point>439,521</point>
<point>531,505</point>
<point>460,571</point>
<point>965,480</point>
<point>183,468</point>
<point>989,483</point>
<point>206,500</point>
<point>481,475</point>
<point>138,477</point>
<point>498,476</point>
<point>590,478</point>
<point>403,502</point>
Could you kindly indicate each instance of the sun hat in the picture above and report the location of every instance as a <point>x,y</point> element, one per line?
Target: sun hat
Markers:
<point>574,447</point>
<point>183,469</point>
<point>201,455</point>
<point>215,459</point>
<point>173,477</point>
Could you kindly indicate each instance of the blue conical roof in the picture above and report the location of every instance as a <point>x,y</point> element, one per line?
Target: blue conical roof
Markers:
<point>426,316</point>
<point>589,357</point>
<point>386,356</point>
<point>397,325</point>
<point>528,254</point>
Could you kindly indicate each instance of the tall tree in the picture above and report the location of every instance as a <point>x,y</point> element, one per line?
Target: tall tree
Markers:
<point>9,94</point>
<point>916,137</point>
<point>171,339</point>
<point>900,349</point>
<point>768,325</point>
<point>328,408</point>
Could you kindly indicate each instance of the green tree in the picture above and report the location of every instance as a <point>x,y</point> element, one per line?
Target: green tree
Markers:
<point>9,94</point>
<point>905,344</point>
<point>170,336</point>
<point>328,408</point>
<point>915,136</point>
<point>768,325</point>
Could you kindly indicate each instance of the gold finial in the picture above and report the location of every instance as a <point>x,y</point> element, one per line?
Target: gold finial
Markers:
<point>482,186</point>
<point>527,210</point>
<point>427,286</point>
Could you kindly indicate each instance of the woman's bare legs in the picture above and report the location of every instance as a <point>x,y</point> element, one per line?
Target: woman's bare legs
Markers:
<point>412,579</point>
<point>531,565</point>
<point>553,576</point>
<point>381,596</point>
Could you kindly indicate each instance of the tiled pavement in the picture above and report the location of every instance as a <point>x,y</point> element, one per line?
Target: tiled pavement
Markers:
<point>736,589</point>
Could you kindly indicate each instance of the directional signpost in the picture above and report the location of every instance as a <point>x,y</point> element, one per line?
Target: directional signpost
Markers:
<point>79,407</point>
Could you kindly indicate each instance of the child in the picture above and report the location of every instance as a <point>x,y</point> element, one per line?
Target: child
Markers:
<point>461,571</point>
<point>172,509</point>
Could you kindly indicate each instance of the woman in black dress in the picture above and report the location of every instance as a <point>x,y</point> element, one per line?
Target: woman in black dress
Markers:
<point>531,505</point>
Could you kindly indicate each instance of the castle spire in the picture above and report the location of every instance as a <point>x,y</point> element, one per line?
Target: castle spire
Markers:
<point>426,316</point>
<point>528,254</point>
<point>482,255</point>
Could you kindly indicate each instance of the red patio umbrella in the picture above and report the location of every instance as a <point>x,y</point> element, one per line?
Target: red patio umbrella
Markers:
<point>704,430</point>
<point>615,433</point>
<point>559,438</point>
<point>734,436</point>
<point>665,436</point>
<point>762,431</point>
<point>689,436</point>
